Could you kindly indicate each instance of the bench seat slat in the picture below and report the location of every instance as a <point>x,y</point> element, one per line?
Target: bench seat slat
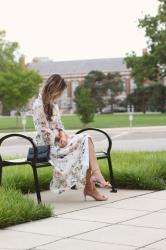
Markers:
<point>24,160</point>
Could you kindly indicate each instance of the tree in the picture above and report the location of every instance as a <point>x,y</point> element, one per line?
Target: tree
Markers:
<point>104,88</point>
<point>17,84</point>
<point>94,81</point>
<point>139,98</point>
<point>85,104</point>
<point>152,65</point>
<point>114,85</point>
<point>8,51</point>
<point>152,98</point>
<point>157,98</point>
<point>143,69</point>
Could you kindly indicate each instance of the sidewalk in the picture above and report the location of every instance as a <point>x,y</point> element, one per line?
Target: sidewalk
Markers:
<point>130,219</point>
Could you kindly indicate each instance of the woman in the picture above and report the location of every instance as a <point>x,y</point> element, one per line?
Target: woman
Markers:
<point>72,157</point>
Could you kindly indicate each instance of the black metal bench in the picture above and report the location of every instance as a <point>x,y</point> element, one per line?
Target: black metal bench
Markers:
<point>35,165</point>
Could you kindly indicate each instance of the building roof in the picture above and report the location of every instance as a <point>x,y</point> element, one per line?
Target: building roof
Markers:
<point>79,66</point>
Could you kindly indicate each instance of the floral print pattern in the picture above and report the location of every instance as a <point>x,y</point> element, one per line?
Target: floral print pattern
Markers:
<point>69,163</point>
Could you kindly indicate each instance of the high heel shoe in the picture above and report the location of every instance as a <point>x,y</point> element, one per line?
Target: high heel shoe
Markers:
<point>90,189</point>
<point>97,180</point>
<point>94,194</point>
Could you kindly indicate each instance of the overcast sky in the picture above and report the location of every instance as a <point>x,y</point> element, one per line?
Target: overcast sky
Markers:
<point>75,29</point>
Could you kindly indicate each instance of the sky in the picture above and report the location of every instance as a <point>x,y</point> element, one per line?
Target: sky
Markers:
<point>75,29</point>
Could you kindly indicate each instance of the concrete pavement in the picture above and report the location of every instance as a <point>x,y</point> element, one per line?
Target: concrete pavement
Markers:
<point>129,220</point>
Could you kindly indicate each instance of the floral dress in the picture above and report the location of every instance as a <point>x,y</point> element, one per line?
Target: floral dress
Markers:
<point>69,163</point>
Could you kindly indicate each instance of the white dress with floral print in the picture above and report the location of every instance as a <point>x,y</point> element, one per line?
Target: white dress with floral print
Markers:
<point>69,163</point>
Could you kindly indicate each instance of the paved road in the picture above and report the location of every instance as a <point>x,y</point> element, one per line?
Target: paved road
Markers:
<point>139,139</point>
<point>124,139</point>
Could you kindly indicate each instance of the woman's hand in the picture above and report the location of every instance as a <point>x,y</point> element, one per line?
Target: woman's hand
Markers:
<point>62,139</point>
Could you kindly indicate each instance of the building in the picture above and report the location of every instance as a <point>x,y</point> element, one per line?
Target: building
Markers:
<point>75,71</point>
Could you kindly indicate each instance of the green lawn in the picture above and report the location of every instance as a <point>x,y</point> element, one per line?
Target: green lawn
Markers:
<point>140,170</point>
<point>100,121</point>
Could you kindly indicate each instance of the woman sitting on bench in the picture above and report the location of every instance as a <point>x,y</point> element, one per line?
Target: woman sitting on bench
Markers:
<point>73,157</point>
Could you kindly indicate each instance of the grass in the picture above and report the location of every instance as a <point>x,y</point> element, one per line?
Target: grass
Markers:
<point>138,170</point>
<point>16,209</point>
<point>21,177</point>
<point>135,170</point>
<point>100,121</point>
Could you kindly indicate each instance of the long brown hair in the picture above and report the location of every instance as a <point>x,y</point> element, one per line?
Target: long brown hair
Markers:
<point>53,88</point>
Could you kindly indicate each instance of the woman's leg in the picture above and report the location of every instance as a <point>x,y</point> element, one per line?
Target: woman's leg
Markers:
<point>93,175</point>
<point>91,190</point>
<point>93,164</point>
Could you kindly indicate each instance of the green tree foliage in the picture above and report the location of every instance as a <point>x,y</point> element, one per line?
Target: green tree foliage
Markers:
<point>7,53</point>
<point>143,69</point>
<point>17,84</point>
<point>104,88</point>
<point>94,81</point>
<point>152,65</point>
<point>152,98</point>
<point>85,104</point>
<point>114,86</point>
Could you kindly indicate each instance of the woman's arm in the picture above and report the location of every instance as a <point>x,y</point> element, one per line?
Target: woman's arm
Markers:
<point>63,137</point>
<point>42,126</point>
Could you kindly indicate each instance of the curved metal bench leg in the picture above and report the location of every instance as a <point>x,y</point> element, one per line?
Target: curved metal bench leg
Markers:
<point>37,188</point>
<point>114,190</point>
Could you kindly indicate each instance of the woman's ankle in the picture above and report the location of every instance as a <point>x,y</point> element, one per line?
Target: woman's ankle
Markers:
<point>98,178</point>
<point>97,173</point>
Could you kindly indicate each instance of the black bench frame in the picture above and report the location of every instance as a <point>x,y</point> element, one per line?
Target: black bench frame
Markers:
<point>34,164</point>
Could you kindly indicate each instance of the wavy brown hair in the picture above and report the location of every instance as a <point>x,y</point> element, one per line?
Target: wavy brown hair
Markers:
<point>53,88</point>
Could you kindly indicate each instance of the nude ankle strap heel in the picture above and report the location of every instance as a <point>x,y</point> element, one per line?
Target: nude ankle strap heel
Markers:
<point>95,195</point>
<point>98,181</point>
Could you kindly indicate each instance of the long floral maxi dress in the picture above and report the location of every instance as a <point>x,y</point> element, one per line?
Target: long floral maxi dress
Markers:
<point>69,163</point>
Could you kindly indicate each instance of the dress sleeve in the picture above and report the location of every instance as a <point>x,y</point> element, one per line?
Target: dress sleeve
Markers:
<point>47,135</point>
<point>59,124</point>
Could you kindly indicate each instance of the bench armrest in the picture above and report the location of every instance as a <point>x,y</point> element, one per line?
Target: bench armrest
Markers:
<point>2,139</point>
<point>100,131</point>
